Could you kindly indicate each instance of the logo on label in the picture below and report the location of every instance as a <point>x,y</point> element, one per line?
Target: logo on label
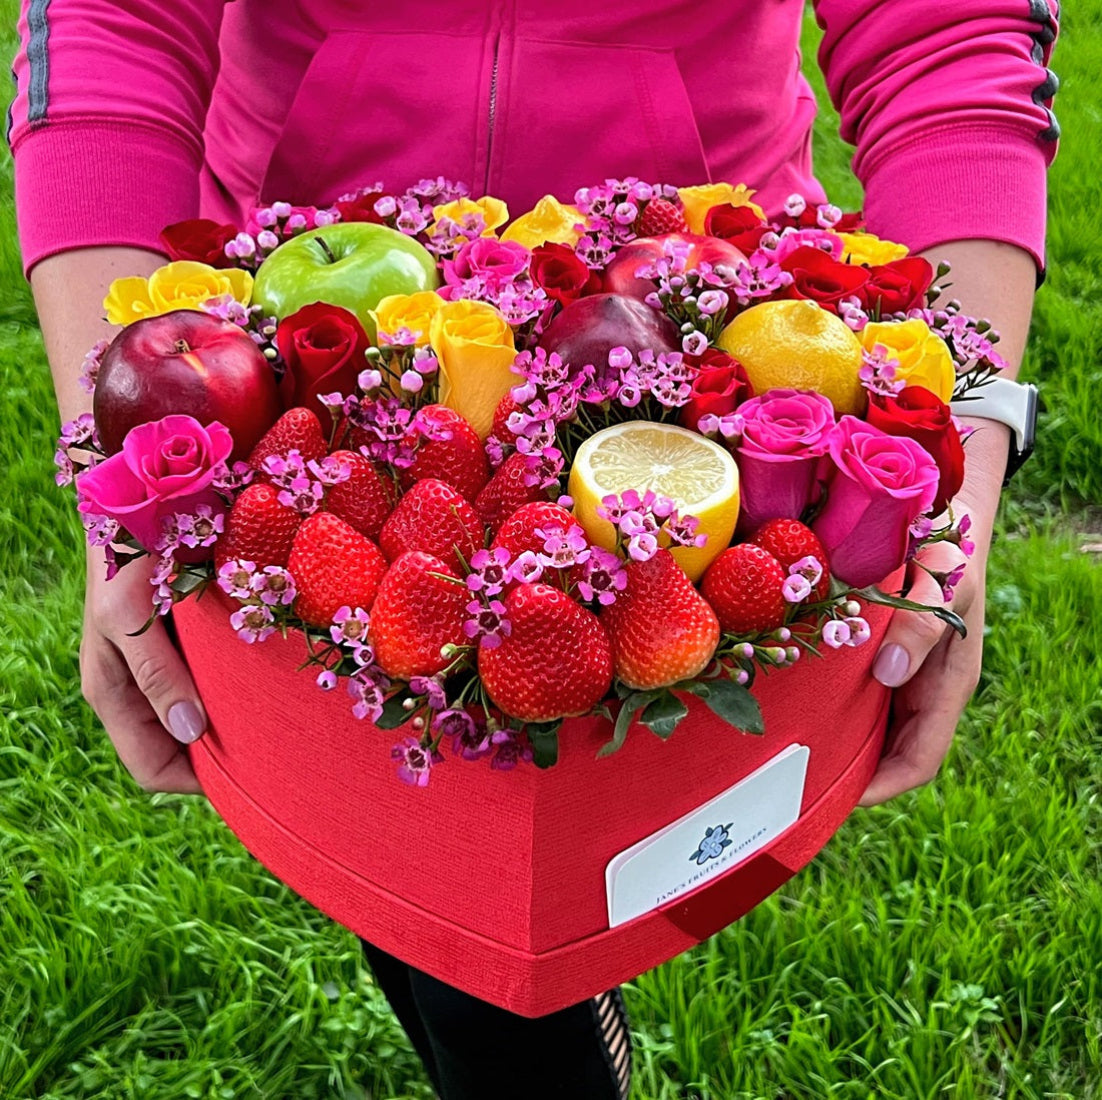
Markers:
<point>711,847</point>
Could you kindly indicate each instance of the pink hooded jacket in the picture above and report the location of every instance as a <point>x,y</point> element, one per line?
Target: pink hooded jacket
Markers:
<point>131,115</point>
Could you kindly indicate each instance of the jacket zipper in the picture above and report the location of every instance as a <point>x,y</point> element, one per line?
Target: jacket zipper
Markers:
<point>492,113</point>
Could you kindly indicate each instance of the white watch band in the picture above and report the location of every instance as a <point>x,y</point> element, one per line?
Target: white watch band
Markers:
<point>1006,401</point>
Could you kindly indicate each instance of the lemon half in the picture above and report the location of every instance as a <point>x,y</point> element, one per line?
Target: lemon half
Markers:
<point>699,475</point>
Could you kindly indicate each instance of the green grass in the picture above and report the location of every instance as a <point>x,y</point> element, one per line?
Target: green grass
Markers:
<point>946,944</point>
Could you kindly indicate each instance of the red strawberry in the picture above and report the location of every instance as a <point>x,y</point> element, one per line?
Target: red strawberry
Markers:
<point>459,461</point>
<point>554,663</point>
<point>296,429</point>
<point>744,586</point>
<point>415,615</point>
<point>365,499</point>
<point>433,517</point>
<point>661,629</point>
<point>505,407</point>
<point>518,532</point>
<point>333,565</point>
<point>788,540</point>
<point>661,216</point>
<point>258,528</point>
<point>506,491</point>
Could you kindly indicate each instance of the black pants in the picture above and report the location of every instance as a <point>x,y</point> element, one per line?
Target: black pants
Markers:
<point>476,1051</point>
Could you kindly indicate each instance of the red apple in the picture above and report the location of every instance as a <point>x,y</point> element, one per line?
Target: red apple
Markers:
<point>588,329</point>
<point>619,276</point>
<point>185,362</point>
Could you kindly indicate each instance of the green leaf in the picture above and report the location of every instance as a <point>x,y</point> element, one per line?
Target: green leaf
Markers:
<point>632,704</point>
<point>733,703</point>
<point>874,595</point>
<point>544,739</point>
<point>394,714</point>
<point>662,715</point>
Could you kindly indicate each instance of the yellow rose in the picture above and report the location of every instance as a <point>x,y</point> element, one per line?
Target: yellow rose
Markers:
<point>474,345</point>
<point>494,211</point>
<point>412,311</point>
<point>550,222</point>
<point>185,284</point>
<point>699,200</point>
<point>923,358</point>
<point>865,248</point>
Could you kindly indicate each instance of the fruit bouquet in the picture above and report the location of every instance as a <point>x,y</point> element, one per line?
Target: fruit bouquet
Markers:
<point>498,473</point>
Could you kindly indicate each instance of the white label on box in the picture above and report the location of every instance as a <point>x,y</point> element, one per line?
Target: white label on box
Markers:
<point>708,840</point>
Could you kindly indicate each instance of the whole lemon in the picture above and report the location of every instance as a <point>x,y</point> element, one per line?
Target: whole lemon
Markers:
<point>796,345</point>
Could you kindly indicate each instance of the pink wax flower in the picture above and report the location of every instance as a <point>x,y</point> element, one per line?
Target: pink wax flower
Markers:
<point>165,467</point>
<point>783,435</point>
<point>487,259</point>
<point>879,485</point>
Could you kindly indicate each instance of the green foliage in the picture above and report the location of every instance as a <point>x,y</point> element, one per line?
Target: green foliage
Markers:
<point>946,944</point>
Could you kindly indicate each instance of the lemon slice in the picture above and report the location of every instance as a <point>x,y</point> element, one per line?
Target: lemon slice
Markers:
<point>699,475</point>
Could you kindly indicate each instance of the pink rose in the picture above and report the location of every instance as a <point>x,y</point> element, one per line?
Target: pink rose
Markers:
<point>164,467</point>
<point>784,434</point>
<point>494,262</point>
<point>879,486</point>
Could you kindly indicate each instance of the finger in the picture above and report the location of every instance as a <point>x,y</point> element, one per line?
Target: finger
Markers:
<point>918,746</point>
<point>911,635</point>
<point>156,760</point>
<point>162,677</point>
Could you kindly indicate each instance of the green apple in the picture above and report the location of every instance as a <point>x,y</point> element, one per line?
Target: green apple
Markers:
<point>351,264</point>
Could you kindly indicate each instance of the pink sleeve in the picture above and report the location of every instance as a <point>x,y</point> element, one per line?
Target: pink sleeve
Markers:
<point>949,106</point>
<point>106,125</point>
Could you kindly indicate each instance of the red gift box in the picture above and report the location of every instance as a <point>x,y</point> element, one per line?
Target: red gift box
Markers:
<point>495,881</point>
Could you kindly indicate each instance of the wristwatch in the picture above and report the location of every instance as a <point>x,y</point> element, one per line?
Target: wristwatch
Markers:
<point>1010,403</point>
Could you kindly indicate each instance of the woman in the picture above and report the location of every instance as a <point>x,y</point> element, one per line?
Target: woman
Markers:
<point>130,116</point>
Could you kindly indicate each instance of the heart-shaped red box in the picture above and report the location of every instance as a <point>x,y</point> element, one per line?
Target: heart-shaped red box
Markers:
<point>495,881</point>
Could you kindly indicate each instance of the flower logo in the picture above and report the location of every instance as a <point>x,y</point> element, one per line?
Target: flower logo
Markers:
<point>711,847</point>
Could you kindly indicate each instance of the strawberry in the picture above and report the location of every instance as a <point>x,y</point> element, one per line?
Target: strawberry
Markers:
<point>416,614</point>
<point>365,499</point>
<point>506,491</point>
<point>744,586</point>
<point>333,565</point>
<point>459,460</point>
<point>518,533</point>
<point>788,540</point>
<point>258,529</point>
<point>505,407</point>
<point>554,663</point>
<point>435,518</point>
<point>296,429</point>
<point>659,217</point>
<point>661,629</point>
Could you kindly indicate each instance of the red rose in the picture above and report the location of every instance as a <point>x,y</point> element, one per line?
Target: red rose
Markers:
<point>361,208</point>
<point>562,275</point>
<point>809,219</point>
<point>920,415</point>
<point>719,388</point>
<point>199,239</point>
<point>323,349</point>
<point>737,224</point>
<point>821,279</point>
<point>900,285</point>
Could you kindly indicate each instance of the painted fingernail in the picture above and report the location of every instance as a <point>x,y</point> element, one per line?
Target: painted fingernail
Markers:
<point>185,723</point>
<point>891,665</point>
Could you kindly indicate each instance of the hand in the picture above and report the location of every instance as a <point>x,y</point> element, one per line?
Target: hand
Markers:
<point>139,687</point>
<point>933,669</point>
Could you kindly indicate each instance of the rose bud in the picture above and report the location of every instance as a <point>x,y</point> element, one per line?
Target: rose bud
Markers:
<point>818,278</point>
<point>323,348</point>
<point>737,224</point>
<point>563,275</point>
<point>920,415</point>
<point>199,239</point>
<point>720,387</point>
<point>898,286</point>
